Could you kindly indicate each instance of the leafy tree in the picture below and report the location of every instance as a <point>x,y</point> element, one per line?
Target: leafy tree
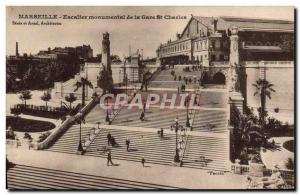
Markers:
<point>105,81</point>
<point>240,135</point>
<point>82,83</point>
<point>46,97</point>
<point>25,95</point>
<point>263,89</point>
<point>115,58</point>
<point>71,98</point>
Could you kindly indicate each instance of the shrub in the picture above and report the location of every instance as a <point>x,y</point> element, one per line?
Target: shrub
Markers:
<point>290,164</point>
<point>27,136</point>
<point>10,134</point>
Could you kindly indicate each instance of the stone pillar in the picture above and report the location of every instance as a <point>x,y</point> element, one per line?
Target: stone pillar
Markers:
<point>233,59</point>
<point>106,52</point>
<point>235,96</point>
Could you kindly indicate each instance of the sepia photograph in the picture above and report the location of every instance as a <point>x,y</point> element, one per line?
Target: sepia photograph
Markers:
<point>168,98</point>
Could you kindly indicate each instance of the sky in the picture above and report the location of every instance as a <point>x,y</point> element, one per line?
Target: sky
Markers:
<point>124,34</point>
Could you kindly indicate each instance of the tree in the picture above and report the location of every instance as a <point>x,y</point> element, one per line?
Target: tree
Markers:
<point>105,81</point>
<point>82,83</point>
<point>25,95</point>
<point>46,97</point>
<point>71,98</point>
<point>242,124</point>
<point>263,89</point>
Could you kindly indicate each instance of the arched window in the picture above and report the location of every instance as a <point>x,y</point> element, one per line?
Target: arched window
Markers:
<point>219,78</point>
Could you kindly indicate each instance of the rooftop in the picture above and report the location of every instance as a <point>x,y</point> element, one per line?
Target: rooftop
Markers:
<point>226,22</point>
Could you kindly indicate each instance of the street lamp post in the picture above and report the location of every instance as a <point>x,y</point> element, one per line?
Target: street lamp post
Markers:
<point>187,112</point>
<point>80,148</point>
<point>176,127</point>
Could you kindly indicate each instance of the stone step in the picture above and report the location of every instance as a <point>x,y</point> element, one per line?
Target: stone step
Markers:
<point>27,177</point>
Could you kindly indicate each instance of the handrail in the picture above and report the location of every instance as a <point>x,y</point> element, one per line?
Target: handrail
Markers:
<point>65,126</point>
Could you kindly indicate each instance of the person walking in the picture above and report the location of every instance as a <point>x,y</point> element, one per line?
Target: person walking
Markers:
<point>142,117</point>
<point>161,133</point>
<point>143,162</point>
<point>109,159</point>
<point>108,138</point>
<point>127,144</point>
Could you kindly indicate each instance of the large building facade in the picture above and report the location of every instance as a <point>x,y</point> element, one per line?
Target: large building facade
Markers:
<point>263,48</point>
<point>205,40</point>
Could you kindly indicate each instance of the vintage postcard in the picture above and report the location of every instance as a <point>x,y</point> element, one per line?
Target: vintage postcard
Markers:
<point>150,98</point>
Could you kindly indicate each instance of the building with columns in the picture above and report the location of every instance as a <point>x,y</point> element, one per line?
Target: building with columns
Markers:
<point>259,48</point>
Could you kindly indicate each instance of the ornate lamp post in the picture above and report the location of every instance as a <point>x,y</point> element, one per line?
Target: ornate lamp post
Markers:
<point>80,148</point>
<point>176,126</point>
<point>126,82</point>
<point>187,111</point>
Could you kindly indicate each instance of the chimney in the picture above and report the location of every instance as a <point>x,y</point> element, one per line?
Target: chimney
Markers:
<point>214,25</point>
<point>17,49</point>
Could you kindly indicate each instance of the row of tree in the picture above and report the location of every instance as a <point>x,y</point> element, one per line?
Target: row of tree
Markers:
<point>46,97</point>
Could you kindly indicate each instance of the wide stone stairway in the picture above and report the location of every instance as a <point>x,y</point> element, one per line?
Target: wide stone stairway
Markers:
<point>68,142</point>
<point>154,118</point>
<point>23,177</point>
<point>206,153</point>
<point>142,144</point>
<point>214,121</point>
<point>164,79</point>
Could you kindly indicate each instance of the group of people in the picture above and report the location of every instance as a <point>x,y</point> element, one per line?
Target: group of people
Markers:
<point>111,141</point>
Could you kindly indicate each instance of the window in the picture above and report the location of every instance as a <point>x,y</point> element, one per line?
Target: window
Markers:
<point>221,57</point>
<point>213,44</point>
<point>213,58</point>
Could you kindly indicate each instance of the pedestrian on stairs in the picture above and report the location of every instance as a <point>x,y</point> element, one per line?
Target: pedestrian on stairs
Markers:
<point>109,159</point>
<point>127,144</point>
<point>142,117</point>
<point>143,161</point>
<point>108,138</point>
<point>161,133</point>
